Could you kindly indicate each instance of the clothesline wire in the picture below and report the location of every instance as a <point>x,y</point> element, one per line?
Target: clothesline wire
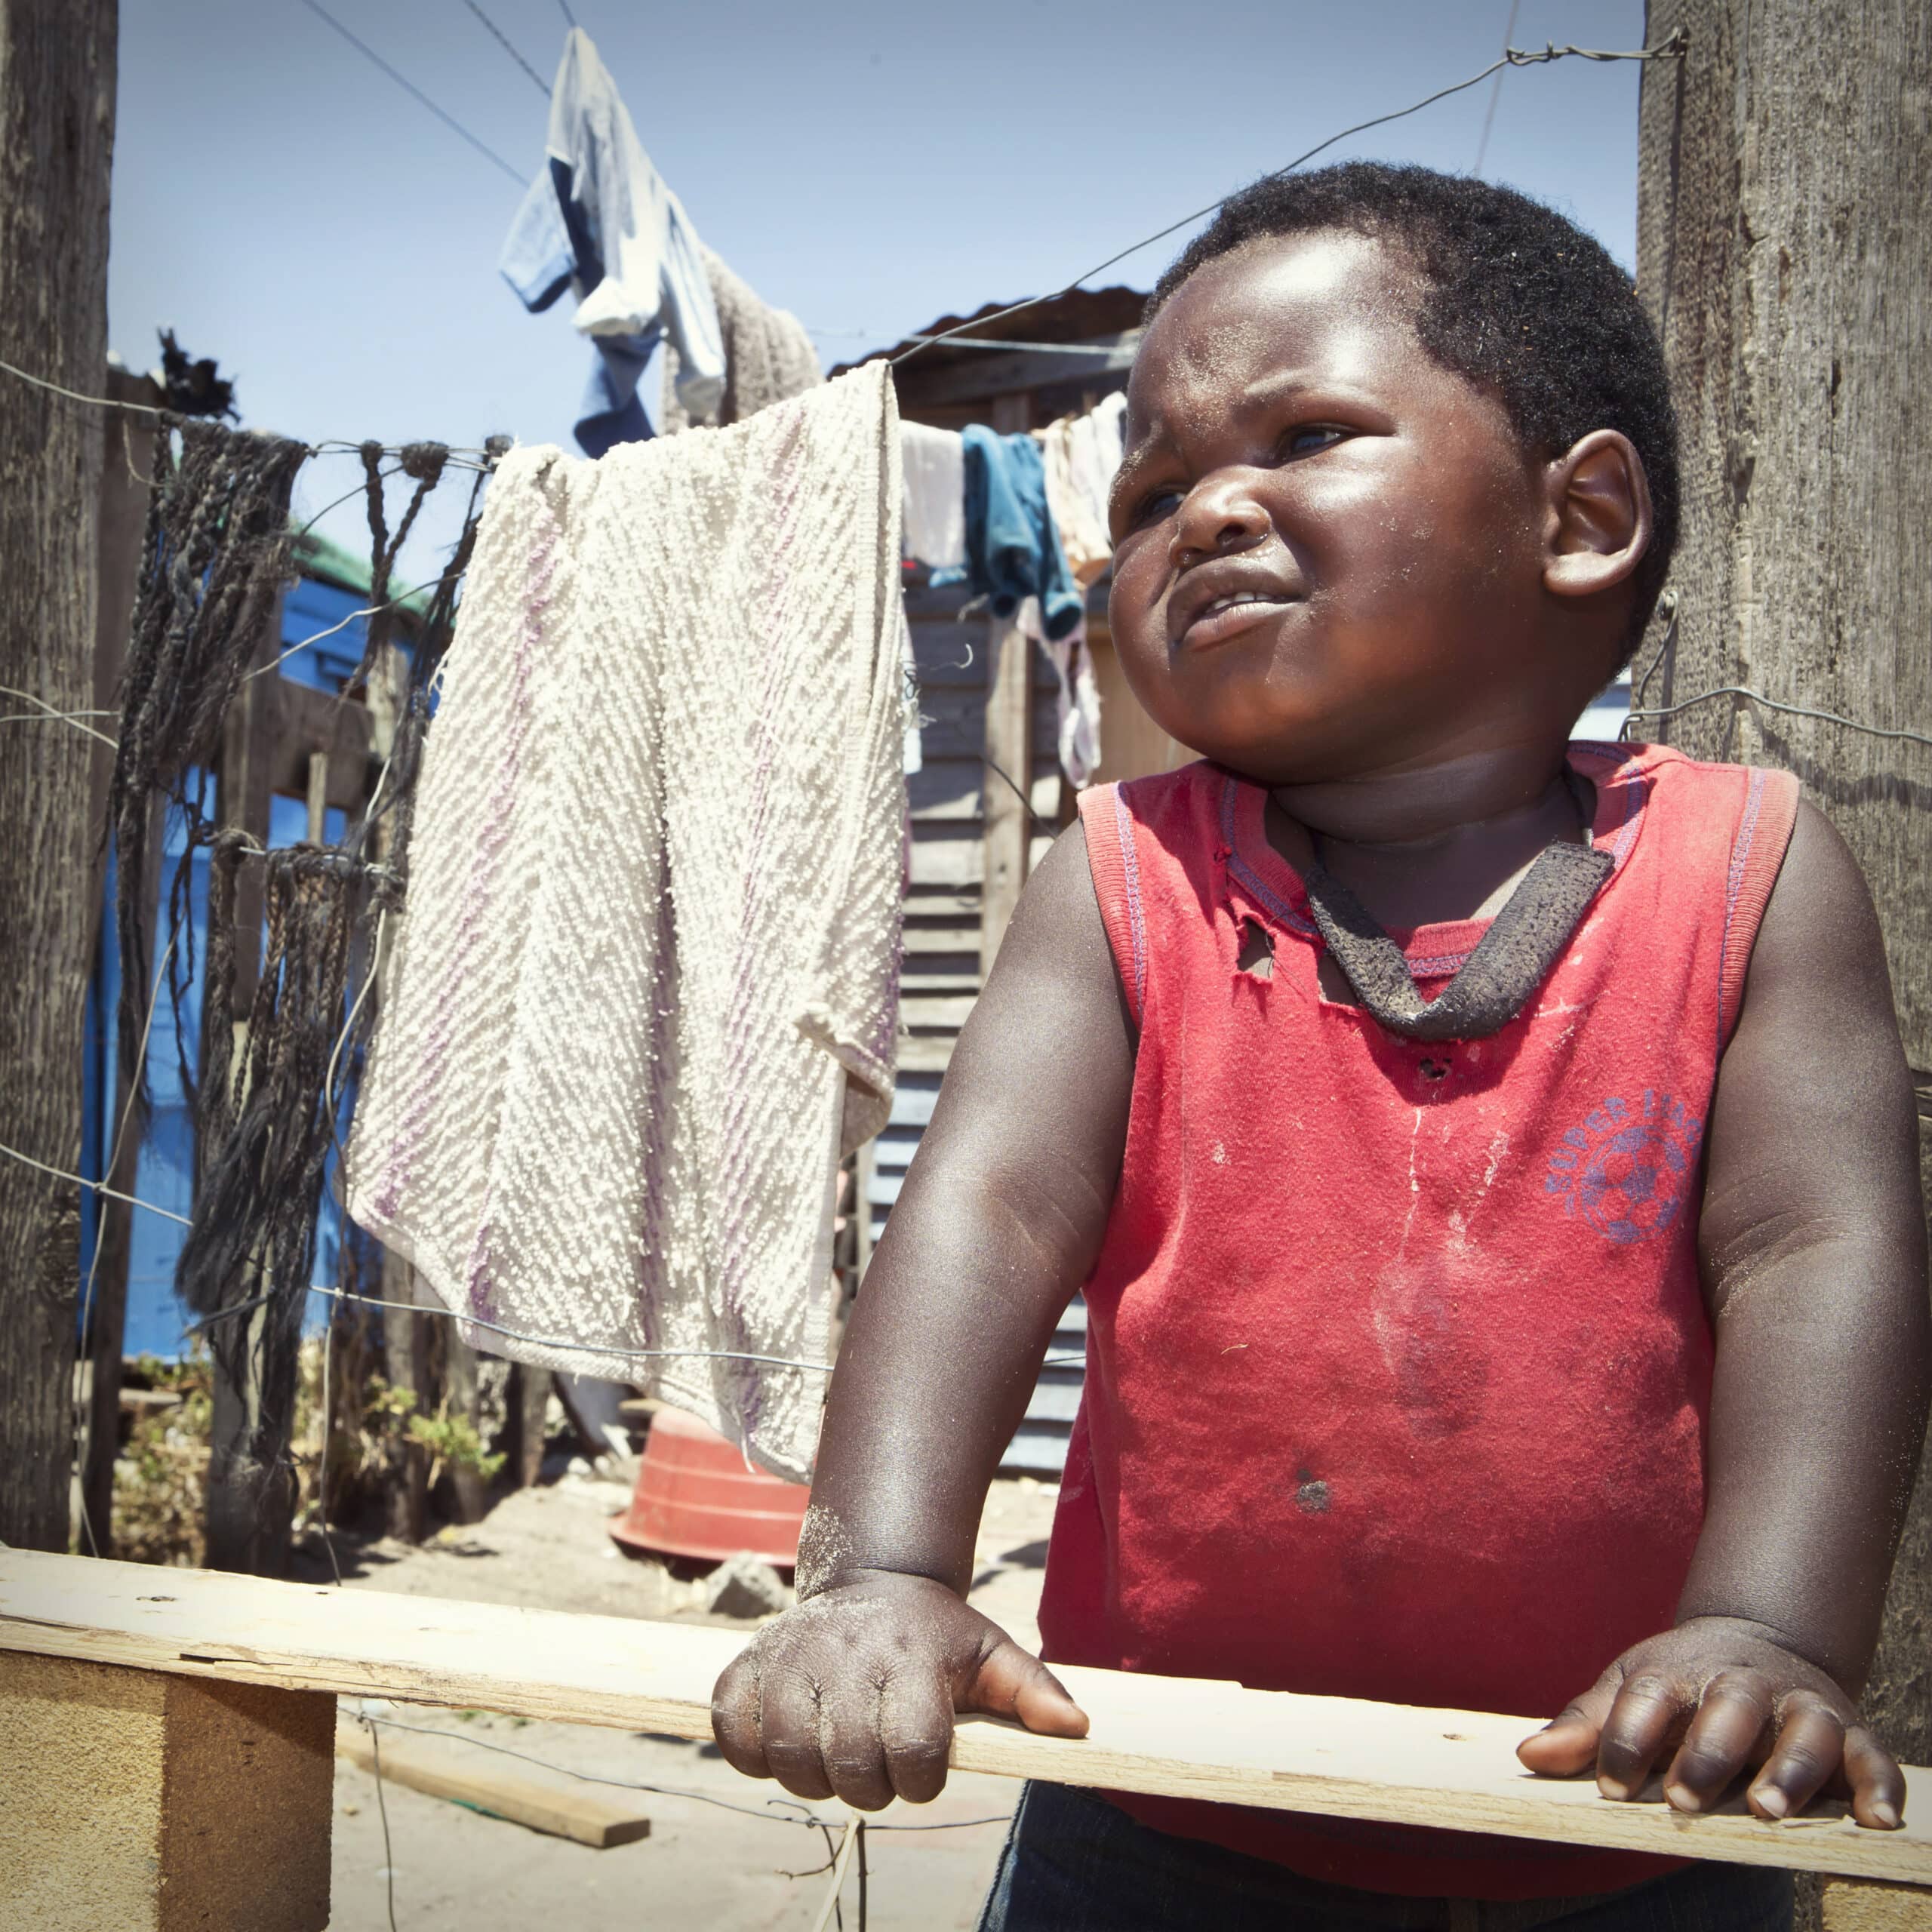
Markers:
<point>1512,56</point>
<point>374,609</point>
<point>811,1821</point>
<point>360,489</point>
<point>382,1803</point>
<point>349,1300</point>
<point>436,1309</point>
<point>460,458</point>
<point>509,46</point>
<point>409,87</point>
<point>97,1187</point>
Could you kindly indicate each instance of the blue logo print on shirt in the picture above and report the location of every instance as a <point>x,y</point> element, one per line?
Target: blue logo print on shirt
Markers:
<point>1624,1171</point>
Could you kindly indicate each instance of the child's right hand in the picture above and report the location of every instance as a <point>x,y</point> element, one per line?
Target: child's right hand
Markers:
<point>854,1693</point>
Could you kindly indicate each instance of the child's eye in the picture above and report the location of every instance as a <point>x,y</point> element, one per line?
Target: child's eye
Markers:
<point>1311,437</point>
<point>1157,503</point>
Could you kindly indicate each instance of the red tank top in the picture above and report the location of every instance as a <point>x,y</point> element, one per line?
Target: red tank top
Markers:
<point>1399,1367</point>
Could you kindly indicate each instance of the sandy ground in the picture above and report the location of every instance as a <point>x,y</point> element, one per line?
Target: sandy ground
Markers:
<point>704,1864</point>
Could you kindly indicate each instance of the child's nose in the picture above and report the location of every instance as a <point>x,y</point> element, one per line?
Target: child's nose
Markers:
<point>1216,520</point>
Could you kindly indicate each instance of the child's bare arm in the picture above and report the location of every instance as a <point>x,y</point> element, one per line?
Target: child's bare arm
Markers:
<point>999,1222</point>
<point>1813,1243</point>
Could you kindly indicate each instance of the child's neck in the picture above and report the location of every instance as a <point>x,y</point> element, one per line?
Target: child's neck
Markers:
<point>1434,842</point>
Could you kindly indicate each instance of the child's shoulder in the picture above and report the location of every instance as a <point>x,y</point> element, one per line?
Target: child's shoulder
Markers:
<point>1183,816</point>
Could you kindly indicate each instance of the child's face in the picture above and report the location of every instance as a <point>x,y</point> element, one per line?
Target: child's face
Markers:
<point>1289,442</point>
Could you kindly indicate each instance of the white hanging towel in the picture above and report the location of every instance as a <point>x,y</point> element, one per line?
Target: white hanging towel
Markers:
<point>935,462</point>
<point>644,990</point>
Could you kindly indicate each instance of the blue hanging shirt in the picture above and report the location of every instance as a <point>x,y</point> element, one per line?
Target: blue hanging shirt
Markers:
<point>1013,546</point>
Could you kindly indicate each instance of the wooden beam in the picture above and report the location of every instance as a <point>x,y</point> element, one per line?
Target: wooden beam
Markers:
<point>1169,1736</point>
<point>309,722</point>
<point>927,1053</point>
<point>406,1363</point>
<point>154,1802</point>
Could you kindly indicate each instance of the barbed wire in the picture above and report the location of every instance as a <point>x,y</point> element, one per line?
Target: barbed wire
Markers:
<point>509,46</point>
<point>1899,732</point>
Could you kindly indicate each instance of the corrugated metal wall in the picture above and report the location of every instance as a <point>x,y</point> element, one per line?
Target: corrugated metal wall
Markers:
<point>942,934</point>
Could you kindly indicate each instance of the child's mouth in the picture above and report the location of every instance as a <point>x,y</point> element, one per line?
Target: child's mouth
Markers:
<point>1228,616</point>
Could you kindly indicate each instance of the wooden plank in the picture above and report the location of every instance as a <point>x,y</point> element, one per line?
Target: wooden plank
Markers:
<point>309,721</point>
<point>950,654</point>
<point>952,725</point>
<point>943,942</point>
<point>318,797</point>
<point>991,372</point>
<point>1132,745</point>
<point>1177,1737</point>
<point>937,1010</point>
<point>244,787</point>
<point>947,862</point>
<point>912,1102</point>
<point>940,975</point>
<point>946,788</point>
<point>922,1055</point>
<point>532,1795</point>
<point>931,903</point>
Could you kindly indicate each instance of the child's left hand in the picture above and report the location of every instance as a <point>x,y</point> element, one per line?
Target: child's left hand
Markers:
<point>1719,1696</point>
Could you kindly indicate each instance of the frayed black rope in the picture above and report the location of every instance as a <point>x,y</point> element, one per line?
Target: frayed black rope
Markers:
<point>263,1129</point>
<point>215,554</point>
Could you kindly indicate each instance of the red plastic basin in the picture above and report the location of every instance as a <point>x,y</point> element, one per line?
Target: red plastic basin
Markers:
<point>697,1496</point>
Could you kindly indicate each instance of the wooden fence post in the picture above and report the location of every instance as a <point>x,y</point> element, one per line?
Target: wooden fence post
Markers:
<point>56,139</point>
<point>1785,165</point>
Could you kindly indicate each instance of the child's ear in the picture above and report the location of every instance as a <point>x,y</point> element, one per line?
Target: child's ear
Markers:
<point>1598,522</point>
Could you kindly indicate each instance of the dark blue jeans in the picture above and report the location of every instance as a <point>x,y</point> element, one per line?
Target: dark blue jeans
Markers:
<point>1073,1862</point>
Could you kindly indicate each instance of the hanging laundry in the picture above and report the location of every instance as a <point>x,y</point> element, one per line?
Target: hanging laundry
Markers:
<point>644,993</point>
<point>1066,456</point>
<point>935,464</point>
<point>1108,421</point>
<point>599,220</point>
<point>1078,695</point>
<point>1012,547</point>
<point>768,357</point>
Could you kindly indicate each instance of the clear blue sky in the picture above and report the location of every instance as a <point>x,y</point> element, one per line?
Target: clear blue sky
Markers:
<point>289,210</point>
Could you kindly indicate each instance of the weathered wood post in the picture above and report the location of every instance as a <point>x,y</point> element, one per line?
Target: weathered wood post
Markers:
<point>1786,167</point>
<point>56,140</point>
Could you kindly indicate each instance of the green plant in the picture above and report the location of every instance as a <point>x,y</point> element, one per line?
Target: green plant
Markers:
<point>453,1443</point>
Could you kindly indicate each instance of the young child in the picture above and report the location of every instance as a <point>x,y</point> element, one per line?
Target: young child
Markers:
<point>1489,1161</point>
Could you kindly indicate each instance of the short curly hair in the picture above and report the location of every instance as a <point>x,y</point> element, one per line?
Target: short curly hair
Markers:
<point>1518,300</point>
